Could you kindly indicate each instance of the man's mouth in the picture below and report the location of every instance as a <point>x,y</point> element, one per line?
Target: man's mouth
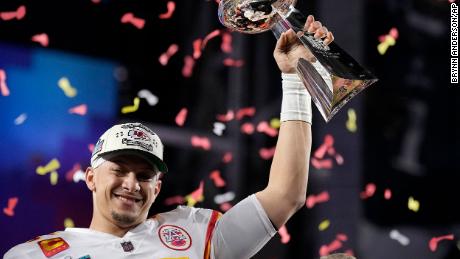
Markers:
<point>127,198</point>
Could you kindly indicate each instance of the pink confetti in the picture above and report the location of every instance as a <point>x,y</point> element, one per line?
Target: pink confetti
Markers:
<point>312,200</point>
<point>285,237</point>
<point>369,191</point>
<point>42,39</point>
<point>164,58</point>
<point>80,109</point>
<point>202,142</point>
<point>197,48</point>
<point>181,116</point>
<point>174,200</point>
<point>189,62</point>
<point>230,115</point>
<point>228,157</point>
<point>12,202</point>
<point>229,62</point>
<point>211,35</point>
<point>91,148</point>
<point>264,127</point>
<point>3,87</point>
<point>339,159</point>
<point>225,206</point>
<point>267,153</point>
<point>333,246</point>
<point>387,194</point>
<point>226,45</point>
<point>130,18</point>
<point>435,240</point>
<point>96,1</point>
<point>321,164</point>
<point>394,34</point>
<point>18,14</point>
<point>171,7</point>
<point>247,128</point>
<point>69,175</point>
<point>248,111</point>
<point>217,179</point>
<point>328,143</point>
<point>197,194</point>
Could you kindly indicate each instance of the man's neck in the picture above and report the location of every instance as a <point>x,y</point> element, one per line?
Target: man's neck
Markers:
<point>106,226</point>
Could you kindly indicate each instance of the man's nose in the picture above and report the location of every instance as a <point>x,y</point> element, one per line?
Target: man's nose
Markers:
<point>130,183</point>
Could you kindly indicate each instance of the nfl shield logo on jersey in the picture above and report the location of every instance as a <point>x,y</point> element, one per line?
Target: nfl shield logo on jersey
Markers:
<point>127,246</point>
<point>175,237</point>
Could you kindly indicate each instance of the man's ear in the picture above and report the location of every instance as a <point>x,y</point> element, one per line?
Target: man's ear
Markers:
<point>90,179</point>
<point>158,187</point>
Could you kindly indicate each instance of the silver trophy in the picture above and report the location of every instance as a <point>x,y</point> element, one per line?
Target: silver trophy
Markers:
<point>332,79</point>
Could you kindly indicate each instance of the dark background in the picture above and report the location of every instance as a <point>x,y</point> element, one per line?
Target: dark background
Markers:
<point>407,139</point>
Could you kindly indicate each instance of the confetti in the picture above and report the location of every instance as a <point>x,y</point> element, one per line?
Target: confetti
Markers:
<point>324,225</point>
<point>164,58</point>
<point>247,128</point>
<point>230,115</point>
<point>351,121</point>
<point>80,109</point>
<point>195,196</point>
<point>403,240</point>
<point>226,45</point>
<point>53,165</point>
<point>151,99</point>
<point>275,123</point>
<point>96,1</point>
<point>387,194</point>
<point>68,223</point>
<point>333,246</point>
<point>181,116</point>
<point>264,127</point>
<point>321,164</point>
<point>75,174</point>
<point>12,202</point>
<point>219,128</point>
<point>217,179</point>
<point>369,191</point>
<point>54,178</point>
<point>187,70</point>
<point>3,87</point>
<point>171,6</point>
<point>267,153</point>
<point>387,40</point>
<point>285,237</point>
<point>225,206</point>
<point>18,14</point>
<point>197,48</point>
<point>201,142</point>
<point>41,38</point>
<point>248,111</point>
<point>223,198</point>
<point>413,204</point>
<point>132,108</point>
<point>211,35</point>
<point>433,244</point>
<point>174,200</point>
<point>68,89</point>
<point>229,62</point>
<point>130,18</point>
<point>227,158</point>
<point>312,200</point>
<point>20,119</point>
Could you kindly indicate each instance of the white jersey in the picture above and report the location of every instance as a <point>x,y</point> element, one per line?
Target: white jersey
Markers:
<point>183,233</point>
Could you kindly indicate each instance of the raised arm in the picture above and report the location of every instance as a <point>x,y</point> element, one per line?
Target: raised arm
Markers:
<point>287,186</point>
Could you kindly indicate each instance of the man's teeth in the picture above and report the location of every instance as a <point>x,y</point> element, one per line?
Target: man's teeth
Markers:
<point>126,199</point>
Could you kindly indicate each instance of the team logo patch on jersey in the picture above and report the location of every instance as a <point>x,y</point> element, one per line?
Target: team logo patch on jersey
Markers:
<point>127,246</point>
<point>175,237</point>
<point>53,246</point>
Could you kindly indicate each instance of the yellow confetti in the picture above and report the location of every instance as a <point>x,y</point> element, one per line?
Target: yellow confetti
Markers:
<point>68,223</point>
<point>68,89</point>
<point>413,204</point>
<point>192,201</point>
<point>54,177</point>
<point>383,47</point>
<point>351,122</point>
<point>53,165</point>
<point>133,108</point>
<point>275,123</point>
<point>324,225</point>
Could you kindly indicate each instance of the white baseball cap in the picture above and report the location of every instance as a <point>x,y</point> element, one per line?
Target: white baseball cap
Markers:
<point>130,139</point>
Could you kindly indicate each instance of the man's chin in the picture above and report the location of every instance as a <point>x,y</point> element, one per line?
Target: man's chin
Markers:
<point>124,219</point>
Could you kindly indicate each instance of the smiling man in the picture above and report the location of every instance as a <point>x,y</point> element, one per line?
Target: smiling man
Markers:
<point>124,178</point>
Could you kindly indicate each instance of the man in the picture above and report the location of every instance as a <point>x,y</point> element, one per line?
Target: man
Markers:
<point>124,178</point>
<point>338,256</point>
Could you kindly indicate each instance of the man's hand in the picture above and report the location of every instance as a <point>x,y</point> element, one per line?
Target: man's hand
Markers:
<point>289,49</point>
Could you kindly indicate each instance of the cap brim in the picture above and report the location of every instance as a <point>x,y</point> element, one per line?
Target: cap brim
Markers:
<point>150,158</point>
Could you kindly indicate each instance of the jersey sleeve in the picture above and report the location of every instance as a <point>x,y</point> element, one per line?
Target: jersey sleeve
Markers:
<point>242,231</point>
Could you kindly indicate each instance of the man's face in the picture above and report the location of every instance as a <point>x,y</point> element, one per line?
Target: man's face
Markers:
<point>124,188</point>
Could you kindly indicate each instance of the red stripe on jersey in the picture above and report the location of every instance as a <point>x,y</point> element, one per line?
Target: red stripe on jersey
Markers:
<point>212,223</point>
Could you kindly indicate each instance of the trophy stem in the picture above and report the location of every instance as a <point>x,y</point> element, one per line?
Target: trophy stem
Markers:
<point>333,78</point>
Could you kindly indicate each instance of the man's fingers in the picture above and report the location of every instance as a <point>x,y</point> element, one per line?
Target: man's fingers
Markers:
<point>321,32</point>
<point>310,20</point>
<point>329,38</point>
<point>314,26</point>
